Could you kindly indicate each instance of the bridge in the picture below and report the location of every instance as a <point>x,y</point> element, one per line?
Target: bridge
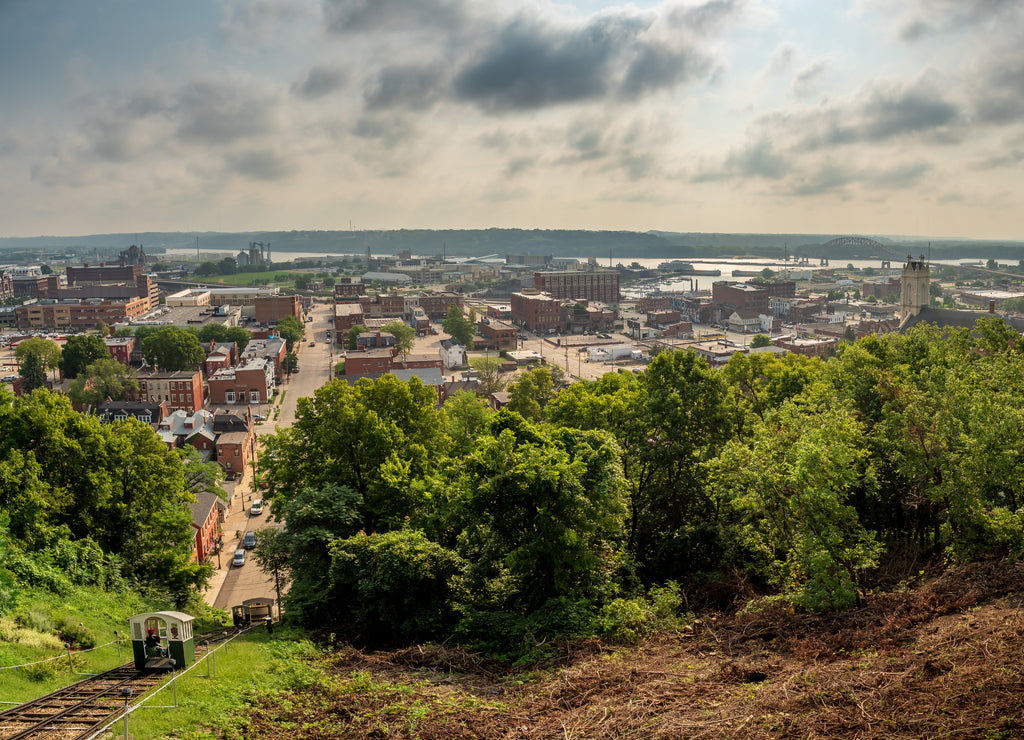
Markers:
<point>860,242</point>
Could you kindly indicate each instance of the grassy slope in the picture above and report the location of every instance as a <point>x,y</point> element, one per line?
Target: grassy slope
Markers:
<point>944,660</point>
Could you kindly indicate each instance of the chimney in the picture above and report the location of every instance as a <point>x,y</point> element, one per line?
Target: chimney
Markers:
<point>991,306</point>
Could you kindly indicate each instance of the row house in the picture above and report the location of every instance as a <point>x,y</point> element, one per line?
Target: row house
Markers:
<point>271,349</point>
<point>375,340</point>
<point>180,428</point>
<point>207,514</point>
<point>236,441</point>
<point>347,315</point>
<point>121,349</point>
<point>181,390</point>
<point>220,355</point>
<point>653,304</point>
<point>148,413</point>
<point>251,381</point>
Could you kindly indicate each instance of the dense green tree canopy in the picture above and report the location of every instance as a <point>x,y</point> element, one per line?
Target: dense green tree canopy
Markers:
<point>172,349</point>
<point>352,337</point>
<point>291,330</point>
<point>80,351</point>
<point>102,380</point>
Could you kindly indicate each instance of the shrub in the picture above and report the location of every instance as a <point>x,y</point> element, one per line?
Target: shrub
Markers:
<point>75,634</point>
<point>630,620</point>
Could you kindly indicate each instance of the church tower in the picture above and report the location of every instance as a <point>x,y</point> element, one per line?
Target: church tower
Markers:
<point>914,293</point>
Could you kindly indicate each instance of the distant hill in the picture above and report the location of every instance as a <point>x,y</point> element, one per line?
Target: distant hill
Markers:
<point>620,246</point>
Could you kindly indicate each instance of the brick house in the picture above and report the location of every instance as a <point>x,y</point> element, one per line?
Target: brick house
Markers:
<point>236,440</point>
<point>536,311</point>
<point>251,381</point>
<point>369,362</point>
<point>347,315</point>
<point>206,519</point>
<point>180,428</point>
<point>181,390</point>
<point>271,309</point>
<point>121,348</point>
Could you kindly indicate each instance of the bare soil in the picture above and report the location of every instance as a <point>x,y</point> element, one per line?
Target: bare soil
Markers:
<point>945,660</point>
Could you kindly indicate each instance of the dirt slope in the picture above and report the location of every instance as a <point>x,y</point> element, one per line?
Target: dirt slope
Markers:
<point>945,660</point>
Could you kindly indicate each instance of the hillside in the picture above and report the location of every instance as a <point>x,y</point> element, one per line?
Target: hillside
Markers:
<point>943,660</point>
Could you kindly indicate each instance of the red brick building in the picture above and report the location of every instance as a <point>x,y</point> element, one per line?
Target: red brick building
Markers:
<point>250,382</point>
<point>347,315</point>
<point>206,523</point>
<point>536,311</point>
<point>271,309</point>
<point>370,362</point>
<point>435,305</point>
<point>590,285</point>
<point>651,304</point>
<point>496,335</point>
<point>78,315</point>
<point>121,348</point>
<point>181,390</point>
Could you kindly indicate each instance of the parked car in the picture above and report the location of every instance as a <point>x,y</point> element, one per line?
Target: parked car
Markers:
<point>239,559</point>
<point>313,344</point>
<point>10,378</point>
<point>257,507</point>
<point>249,541</point>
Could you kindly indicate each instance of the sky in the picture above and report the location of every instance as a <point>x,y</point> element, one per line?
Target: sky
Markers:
<point>811,116</point>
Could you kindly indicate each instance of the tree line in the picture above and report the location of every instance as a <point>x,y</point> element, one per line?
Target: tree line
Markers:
<point>798,479</point>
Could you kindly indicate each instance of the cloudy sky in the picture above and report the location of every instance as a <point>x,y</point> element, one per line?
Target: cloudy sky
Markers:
<point>845,116</point>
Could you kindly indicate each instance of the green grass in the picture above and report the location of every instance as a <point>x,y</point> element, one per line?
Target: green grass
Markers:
<point>212,707</point>
<point>99,612</point>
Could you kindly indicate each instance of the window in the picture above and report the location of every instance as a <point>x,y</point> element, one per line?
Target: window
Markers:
<point>254,396</point>
<point>236,452</point>
<point>229,397</point>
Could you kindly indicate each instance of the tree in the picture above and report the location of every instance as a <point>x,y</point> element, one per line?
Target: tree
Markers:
<point>46,350</point>
<point>80,351</point>
<point>273,554</point>
<point>488,372</point>
<point>531,394</point>
<point>290,363</point>
<point>458,326</point>
<point>105,379</point>
<point>172,349</point>
<point>220,333</point>
<point>102,329</point>
<point>378,437</point>
<point>544,510</point>
<point>404,336</point>
<point>227,266</point>
<point>291,330</point>
<point>33,373</point>
<point>760,340</point>
<point>352,337</point>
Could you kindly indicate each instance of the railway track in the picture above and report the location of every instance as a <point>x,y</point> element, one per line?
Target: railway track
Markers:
<point>76,711</point>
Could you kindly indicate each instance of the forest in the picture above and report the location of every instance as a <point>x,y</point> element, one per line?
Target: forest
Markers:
<point>611,508</point>
<point>614,507</point>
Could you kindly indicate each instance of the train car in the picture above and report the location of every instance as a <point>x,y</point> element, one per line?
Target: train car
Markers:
<point>162,640</point>
<point>252,610</point>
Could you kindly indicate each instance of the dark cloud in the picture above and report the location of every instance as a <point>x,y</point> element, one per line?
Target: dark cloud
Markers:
<point>219,113</point>
<point>658,67</point>
<point>360,16</point>
<point>319,82</point>
<point>529,63</point>
<point>518,165</point>
<point>878,113</point>
<point>836,177</point>
<point>389,130</point>
<point>258,164</point>
<point>410,87</point>
<point>531,66</point>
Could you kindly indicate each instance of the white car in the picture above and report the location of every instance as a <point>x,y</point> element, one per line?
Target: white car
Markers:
<point>9,378</point>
